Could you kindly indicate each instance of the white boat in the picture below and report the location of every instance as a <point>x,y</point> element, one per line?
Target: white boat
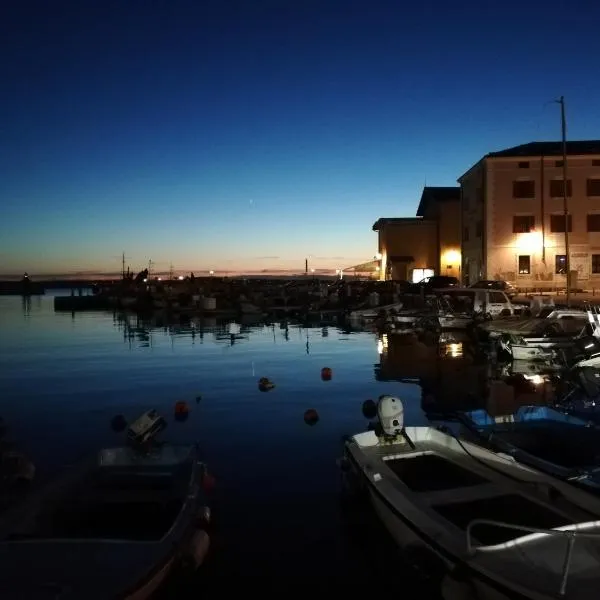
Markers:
<point>510,531</point>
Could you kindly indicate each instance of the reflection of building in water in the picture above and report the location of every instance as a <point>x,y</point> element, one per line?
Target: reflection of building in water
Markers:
<point>507,396</point>
<point>449,376</point>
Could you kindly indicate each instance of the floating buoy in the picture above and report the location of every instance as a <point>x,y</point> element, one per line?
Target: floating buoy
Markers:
<point>182,410</point>
<point>326,374</point>
<point>369,409</point>
<point>118,423</point>
<point>265,384</point>
<point>208,482</point>
<point>311,417</point>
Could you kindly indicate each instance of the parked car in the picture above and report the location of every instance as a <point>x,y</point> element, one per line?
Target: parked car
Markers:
<point>496,284</point>
<point>431,283</point>
<point>494,303</point>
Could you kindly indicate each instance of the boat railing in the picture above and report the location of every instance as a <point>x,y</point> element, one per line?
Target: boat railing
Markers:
<point>571,534</point>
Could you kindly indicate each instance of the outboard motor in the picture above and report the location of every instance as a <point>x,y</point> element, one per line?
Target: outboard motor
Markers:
<point>390,412</point>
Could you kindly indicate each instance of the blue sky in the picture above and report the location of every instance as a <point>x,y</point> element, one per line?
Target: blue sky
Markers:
<point>249,135</point>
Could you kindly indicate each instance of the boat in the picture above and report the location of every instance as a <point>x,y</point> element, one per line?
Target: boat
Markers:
<point>114,526</point>
<point>508,530</point>
<point>543,437</point>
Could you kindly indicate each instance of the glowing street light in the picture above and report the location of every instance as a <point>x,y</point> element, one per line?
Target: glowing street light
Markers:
<point>211,273</point>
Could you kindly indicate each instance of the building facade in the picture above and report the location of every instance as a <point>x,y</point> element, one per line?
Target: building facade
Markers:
<point>512,215</point>
<point>410,248</point>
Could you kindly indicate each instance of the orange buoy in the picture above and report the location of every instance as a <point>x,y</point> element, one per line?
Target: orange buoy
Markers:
<point>265,384</point>
<point>311,417</point>
<point>326,374</point>
<point>182,410</point>
<point>181,407</point>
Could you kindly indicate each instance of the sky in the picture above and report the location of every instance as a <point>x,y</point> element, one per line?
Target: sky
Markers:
<point>249,135</point>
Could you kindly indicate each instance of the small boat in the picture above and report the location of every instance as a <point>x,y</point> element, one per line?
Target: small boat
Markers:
<point>542,437</point>
<point>506,529</point>
<point>112,527</point>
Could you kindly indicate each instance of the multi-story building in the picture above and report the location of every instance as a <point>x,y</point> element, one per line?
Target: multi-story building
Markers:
<point>413,247</point>
<point>512,213</point>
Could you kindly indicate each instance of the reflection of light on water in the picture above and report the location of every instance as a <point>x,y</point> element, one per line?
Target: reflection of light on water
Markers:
<point>454,350</point>
<point>535,379</point>
<point>382,344</point>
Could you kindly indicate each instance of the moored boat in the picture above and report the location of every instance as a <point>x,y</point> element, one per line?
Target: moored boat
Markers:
<point>509,530</point>
<point>112,527</point>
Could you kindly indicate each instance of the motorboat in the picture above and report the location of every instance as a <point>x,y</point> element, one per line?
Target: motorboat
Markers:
<point>509,530</point>
<point>543,437</point>
<point>113,526</point>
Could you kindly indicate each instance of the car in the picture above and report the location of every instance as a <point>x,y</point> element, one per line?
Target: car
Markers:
<point>431,283</point>
<point>496,284</point>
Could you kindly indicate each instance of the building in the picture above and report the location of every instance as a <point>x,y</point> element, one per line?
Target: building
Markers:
<point>513,224</point>
<point>411,248</point>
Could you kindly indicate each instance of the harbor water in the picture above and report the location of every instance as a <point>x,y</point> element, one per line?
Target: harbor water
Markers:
<point>277,500</point>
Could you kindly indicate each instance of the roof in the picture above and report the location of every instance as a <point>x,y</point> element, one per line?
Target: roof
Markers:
<point>437,194</point>
<point>397,221</point>
<point>536,149</point>
<point>581,147</point>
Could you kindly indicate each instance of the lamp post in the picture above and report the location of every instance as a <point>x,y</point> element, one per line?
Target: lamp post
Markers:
<point>563,124</point>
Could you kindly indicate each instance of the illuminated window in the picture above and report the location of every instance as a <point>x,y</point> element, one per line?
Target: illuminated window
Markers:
<point>560,264</point>
<point>524,265</point>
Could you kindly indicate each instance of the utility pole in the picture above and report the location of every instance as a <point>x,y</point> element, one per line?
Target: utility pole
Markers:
<point>563,123</point>
<point>123,265</point>
<point>171,271</point>
<point>149,267</point>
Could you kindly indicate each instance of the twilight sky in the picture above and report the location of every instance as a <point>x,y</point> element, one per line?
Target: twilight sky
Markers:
<point>248,135</point>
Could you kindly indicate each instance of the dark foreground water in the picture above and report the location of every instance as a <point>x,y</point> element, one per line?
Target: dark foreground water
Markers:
<point>277,506</point>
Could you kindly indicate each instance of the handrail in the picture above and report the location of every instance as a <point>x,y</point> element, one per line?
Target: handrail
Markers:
<point>571,534</point>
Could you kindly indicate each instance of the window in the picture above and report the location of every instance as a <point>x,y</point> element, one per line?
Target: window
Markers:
<point>523,223</point>
<point>593,187</point>
<point>524,164</point>
<point>556,188</point>
<point>560,264</point>
<point>466,234</point>
<point>479,228</point>
<point>593,222</point>
<point>595,162</point>
<point>497,297</point>
<point>557,223</point>
<point>524,265</point>
<point>523,189</point>
<point>559,163</point>
<point>595,263</point>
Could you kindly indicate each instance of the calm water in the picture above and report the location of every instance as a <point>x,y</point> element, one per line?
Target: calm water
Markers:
<point>277,506</point>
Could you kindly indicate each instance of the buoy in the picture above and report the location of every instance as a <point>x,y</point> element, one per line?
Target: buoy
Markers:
<point>369,409</point>
<point>311,417</point>
<point>118,423</point>
<point>265,384</point>
<point>326,374</point>
<point>182,410</point>
<point>208,482</point>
